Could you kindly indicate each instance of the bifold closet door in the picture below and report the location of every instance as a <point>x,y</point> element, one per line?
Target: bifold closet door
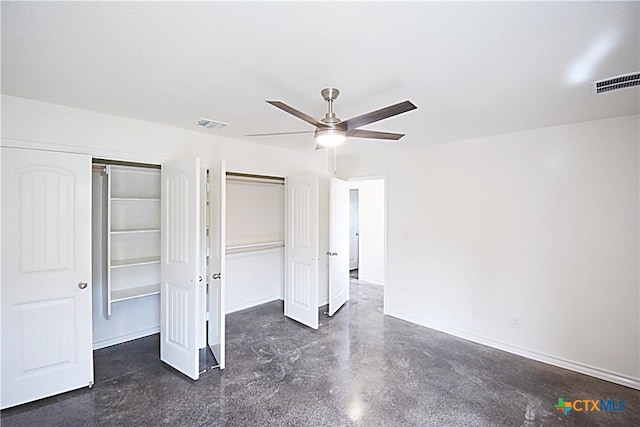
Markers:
<point>301,243</point>
<point>46,273</point>
<point>338,244</point>
<point>180,266</point>
<point>217,243</point>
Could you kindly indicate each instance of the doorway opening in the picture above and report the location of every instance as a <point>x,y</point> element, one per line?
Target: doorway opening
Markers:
<point>367,230</point>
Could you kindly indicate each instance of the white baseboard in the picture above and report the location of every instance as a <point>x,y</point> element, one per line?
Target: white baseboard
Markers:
<point>252,303</point>
<point>323,302</point>
<point>592,371</point>
<point>126,337</point>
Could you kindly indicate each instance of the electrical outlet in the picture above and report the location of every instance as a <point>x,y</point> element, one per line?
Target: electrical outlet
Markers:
<point>515,323</point>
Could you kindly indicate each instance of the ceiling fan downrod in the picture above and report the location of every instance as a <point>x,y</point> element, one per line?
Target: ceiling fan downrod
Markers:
<point>330,94</point>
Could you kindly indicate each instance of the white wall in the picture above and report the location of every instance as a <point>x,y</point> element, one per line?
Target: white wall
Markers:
<point>537,230</point>
<point>28,123</point>
<point>371,229</point>
<point>25,120</point>
<point>255,213</point>
<point>254,278</point>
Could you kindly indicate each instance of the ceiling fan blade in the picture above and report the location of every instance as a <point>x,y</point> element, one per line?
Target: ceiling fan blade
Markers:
<point>278,133</point>
<point>374,116</point>
<point>372,134</point>
<point>299,114</point>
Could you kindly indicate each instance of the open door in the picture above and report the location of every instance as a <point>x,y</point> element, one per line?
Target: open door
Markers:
<point>46,274</point>
<point>217,197</point>
<point>180,266</point>
<point>301,243</point>
<point>338,244</point>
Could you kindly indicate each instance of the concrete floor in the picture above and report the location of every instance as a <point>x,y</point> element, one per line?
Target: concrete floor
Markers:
<point>359,368</point>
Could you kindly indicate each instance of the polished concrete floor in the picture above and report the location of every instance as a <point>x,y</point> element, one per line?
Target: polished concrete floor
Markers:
<point>359,368</point>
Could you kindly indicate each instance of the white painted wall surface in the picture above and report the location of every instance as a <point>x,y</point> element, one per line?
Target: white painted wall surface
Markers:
<point>25,120</point>
<point>537,228</point>
<point>28,123</point>
<point>372,229</point>
<point>255,213</point>
<point>262,282</point>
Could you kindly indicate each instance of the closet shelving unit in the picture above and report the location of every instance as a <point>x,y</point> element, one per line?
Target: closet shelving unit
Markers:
<point>133,233</point>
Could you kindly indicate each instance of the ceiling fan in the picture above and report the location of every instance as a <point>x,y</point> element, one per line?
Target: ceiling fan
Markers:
<point>331,131</point>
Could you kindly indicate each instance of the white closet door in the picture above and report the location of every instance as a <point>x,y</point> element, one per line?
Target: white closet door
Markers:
<point>301,243</point>
<point>202,288</point>
<point>338,244</point>
<point>180,265</point>
<point>216,336</point>
<point>46,269</point>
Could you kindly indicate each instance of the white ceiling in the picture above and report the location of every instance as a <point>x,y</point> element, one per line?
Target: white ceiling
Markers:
<point>473,69</point>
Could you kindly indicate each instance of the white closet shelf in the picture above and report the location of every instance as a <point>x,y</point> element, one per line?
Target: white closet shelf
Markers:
<point>235,249</point>
<point>139,230</point>
<point>135,292</point>
<point>134,261</point>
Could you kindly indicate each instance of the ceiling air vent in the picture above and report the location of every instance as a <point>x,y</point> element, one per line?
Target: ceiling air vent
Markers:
<point>616,83</point>
<point>211,124</point>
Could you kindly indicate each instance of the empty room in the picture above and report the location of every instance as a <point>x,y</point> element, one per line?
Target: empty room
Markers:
<point>257,213</point>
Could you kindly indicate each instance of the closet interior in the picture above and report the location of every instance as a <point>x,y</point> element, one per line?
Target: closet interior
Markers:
<point>254,240</point>
<point>126,246</point>
<point>126,251</point>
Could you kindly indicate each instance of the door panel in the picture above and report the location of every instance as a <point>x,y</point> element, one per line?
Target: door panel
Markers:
<point>338,244</point>
<point>46,270</point>
<point>180,264</point>
<point>217,243</point>
<point>301,248</point>
<point>204,253</point>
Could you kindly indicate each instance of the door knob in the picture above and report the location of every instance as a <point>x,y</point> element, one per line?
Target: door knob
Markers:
<point>199,278</point>
<point>83,285</point>
<point>332,253</point>
<point>216,276</point>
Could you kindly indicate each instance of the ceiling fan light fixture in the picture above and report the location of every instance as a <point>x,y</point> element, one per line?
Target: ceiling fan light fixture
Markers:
<point>330,137</point>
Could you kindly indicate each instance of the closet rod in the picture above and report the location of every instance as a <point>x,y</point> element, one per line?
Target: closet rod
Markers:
<point>121,163</point>
<point>248,177</point>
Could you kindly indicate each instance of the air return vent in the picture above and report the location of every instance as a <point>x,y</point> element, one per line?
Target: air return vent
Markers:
<point>616,83</point>
<point>211,124</point>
